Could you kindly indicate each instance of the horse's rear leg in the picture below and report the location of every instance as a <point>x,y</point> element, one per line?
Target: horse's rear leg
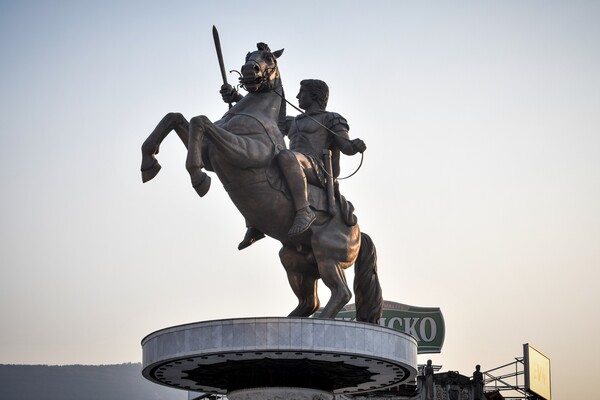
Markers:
<point>303,279</point>
<point>334,278</point>
<point>171,121</point>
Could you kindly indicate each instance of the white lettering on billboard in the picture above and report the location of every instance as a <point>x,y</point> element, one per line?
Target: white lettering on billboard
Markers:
<point>393,322</point>
<point>414,326</point>
<point>410,324</point>
<point>432,329</point>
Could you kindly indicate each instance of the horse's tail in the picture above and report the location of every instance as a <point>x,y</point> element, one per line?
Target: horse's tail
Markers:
<point>369,301</point>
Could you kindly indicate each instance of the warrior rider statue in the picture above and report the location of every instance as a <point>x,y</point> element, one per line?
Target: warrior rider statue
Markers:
<point>309,134</point>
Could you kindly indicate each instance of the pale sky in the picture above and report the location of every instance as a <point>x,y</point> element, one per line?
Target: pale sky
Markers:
<point>480,185</point>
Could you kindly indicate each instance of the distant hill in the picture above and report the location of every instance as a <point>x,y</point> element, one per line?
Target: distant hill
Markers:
<point>81,382</point>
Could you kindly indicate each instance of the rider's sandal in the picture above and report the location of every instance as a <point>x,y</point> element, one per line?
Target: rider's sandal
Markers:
<point>303,220</point>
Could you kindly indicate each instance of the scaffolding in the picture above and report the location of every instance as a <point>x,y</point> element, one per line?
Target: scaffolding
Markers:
<point>508,381</point>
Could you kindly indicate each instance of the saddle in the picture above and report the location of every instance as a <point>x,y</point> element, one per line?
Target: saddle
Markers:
<point>318,198</point>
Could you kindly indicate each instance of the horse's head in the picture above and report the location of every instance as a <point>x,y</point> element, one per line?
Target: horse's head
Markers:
<point>260,71</point>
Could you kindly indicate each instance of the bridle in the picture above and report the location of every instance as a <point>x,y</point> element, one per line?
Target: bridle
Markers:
<point>260,80</point>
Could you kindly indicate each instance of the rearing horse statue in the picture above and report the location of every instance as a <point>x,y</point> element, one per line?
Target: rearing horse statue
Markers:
<point>240,148</point>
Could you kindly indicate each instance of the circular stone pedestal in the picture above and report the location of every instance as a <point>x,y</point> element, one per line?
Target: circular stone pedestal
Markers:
<point>236,355</point>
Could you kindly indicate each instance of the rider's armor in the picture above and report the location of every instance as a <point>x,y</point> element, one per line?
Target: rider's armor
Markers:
<point>309,138</point>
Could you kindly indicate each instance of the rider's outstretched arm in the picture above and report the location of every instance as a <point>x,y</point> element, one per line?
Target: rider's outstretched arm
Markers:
<point>350,147</point>
<point>339,125</point>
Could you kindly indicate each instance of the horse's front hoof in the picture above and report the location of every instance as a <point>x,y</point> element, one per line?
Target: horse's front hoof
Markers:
<point>150,172</point>
<point>201,184</point>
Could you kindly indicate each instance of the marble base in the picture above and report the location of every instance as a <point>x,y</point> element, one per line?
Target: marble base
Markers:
<point>331,356</point>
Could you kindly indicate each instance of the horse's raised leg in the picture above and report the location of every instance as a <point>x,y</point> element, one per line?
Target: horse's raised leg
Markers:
<point>303,278</point>
<point>193,163</point>
<point>171,121</point>
<point>242,150</point>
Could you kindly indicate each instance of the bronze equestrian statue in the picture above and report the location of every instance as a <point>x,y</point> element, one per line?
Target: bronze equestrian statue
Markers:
<point>246,148</point>
<point>313,134</point>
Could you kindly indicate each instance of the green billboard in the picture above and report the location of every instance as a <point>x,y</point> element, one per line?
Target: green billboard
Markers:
<point>426,324</point>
